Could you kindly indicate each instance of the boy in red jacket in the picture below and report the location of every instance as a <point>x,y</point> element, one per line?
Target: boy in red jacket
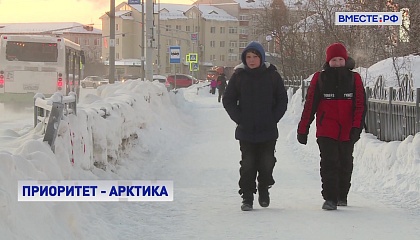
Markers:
<point>337,97</point>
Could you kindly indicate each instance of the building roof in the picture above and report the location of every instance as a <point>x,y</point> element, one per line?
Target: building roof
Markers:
<point>46,27</point>
<point>251,4</point>
<point>259,4</point>
<point>177,11</point>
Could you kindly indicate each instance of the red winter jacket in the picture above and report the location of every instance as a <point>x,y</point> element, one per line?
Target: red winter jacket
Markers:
<point>338,99</point>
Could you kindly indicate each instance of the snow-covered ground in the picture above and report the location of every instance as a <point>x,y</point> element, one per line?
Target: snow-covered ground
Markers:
<point>188,138</point>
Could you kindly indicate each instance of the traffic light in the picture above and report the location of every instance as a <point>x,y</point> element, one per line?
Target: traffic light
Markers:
<point>88,28</point>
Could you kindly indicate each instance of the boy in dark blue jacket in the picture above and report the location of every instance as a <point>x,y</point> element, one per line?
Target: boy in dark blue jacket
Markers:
<point>256,100</point>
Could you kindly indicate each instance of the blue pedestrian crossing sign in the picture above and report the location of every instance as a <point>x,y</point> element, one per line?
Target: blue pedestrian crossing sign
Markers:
<point>193,57</point>
<point>194,67</point>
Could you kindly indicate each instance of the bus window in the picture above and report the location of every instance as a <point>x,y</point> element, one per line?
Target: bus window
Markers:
<point>31,51</point>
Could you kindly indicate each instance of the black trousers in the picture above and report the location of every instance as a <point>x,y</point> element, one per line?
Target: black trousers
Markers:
<point>256,158</point>
<point>336,168</point>
<point>221,92</point>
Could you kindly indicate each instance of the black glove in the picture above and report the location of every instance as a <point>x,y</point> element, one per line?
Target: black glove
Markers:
<point>302,138</point>
<point>355,134</point>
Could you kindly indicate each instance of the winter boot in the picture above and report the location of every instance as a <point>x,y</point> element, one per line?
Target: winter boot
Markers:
<point>263,196</point>
<point>342,202</point>
<point>329,205</point>
<point>247,201</point>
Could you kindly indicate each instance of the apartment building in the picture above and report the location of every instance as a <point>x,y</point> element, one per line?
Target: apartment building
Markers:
<point>209,31</point>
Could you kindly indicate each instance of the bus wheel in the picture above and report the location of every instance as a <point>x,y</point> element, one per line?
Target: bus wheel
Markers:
<point>83,85</point>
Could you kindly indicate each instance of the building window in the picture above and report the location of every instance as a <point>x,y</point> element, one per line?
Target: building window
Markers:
<point>212,57</point>
<point>187,28</point>
<point>243,31</point>
<point>233,58</point>
<point>178,27</point>
<point>222,43</point>
<point>231,50</point>
<point>96,42</point>
<point>86,42</point>
<point>117,27</point>
<point>212,43</point>
<point>168,27</point>
<point>196,29</point>
<point>77,40</point>
<point>212,29</point>
<point>242,44</point>
<point>243,18</point>
<point>222,58</point>
<point>169,42</point>
<point>222,29</point>
<point>233,30</point>
<point>117,56</point>
<point>233,44</point>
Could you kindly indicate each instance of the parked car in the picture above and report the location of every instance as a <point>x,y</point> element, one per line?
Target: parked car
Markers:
<point>93,81</point>
<point>129,77</point>
<point>182,81</point>
<point>160,78</point>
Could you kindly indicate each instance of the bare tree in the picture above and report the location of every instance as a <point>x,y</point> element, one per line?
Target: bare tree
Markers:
<point>301,34</point>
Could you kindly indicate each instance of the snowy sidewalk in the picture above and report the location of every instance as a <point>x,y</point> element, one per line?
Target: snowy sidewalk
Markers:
<point>203,161</point>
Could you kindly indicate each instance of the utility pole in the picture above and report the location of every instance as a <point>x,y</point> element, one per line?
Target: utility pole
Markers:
<point>159,63</point>
<point>111,59</point>
<point>150,39</point>
<point>142,40</point>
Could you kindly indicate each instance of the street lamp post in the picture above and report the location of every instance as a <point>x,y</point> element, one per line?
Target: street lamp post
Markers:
<point>112,42</point>
<point>142,40</point>
<point>150,39</point>
<point>268,38</point>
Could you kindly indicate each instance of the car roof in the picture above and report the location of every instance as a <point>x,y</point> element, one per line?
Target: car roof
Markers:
<point>158,76</point>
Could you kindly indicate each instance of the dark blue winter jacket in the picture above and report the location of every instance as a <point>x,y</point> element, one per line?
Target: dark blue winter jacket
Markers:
<point>256,100</point>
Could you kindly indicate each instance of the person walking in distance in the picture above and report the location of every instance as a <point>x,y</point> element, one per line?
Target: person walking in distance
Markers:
<point>255,99</point>
<point>213,85</point>
<point>336,95</point>
<point>221,85</point>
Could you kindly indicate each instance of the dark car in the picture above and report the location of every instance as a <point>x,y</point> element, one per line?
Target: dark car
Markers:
<point>93,81</point>
<point>182,81</point>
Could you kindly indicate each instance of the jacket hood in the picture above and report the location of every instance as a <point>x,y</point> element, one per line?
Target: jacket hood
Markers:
<point>253,45</point>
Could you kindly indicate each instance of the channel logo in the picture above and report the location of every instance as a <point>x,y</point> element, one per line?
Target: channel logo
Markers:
<point>368,18</point>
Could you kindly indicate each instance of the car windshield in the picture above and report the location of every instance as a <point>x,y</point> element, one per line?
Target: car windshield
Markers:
<point>96,79</point>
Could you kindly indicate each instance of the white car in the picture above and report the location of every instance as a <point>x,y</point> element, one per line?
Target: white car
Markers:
<point>93,81</point>
<point>160,78</point>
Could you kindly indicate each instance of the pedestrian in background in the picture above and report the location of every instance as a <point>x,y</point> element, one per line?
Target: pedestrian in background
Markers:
<point>213,85</point>
<point>221,85</point>
<point>255,99</point>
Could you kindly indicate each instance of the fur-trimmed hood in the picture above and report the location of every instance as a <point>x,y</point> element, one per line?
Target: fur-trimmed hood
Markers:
<point>242,66</point>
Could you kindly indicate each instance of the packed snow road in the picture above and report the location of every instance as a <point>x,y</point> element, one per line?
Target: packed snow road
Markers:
<point>202,158</point>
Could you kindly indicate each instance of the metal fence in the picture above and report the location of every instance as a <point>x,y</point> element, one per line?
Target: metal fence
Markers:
<point>50,111</point>
<point>392,113</point>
